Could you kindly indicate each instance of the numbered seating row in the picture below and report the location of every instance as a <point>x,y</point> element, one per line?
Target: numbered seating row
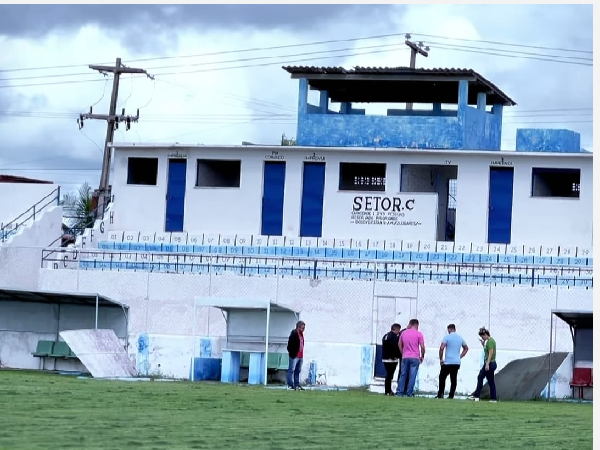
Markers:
<point>348,253</point>
<point>119,260</point>
<point>359,271</point>
<point>159,241</point>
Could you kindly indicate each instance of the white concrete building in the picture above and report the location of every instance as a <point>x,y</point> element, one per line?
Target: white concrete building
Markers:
<point>354,237</point>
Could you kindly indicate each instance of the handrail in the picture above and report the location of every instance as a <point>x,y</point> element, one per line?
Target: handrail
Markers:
<point>77,231</point>
<point>4,235</point>
<point>378,267</point>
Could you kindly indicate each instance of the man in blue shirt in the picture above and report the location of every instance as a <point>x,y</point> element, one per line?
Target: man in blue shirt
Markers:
<point>452,344</point>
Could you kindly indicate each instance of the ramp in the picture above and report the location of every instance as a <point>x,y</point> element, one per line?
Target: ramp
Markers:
<point>524,379</point>
<point>100,352</point>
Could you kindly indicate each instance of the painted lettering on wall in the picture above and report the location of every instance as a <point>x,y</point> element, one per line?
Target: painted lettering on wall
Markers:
<point>274,155</point>
<point>501,162</point>
<point>177,154</point>
<point>380,210</point>
<point>314,157</point>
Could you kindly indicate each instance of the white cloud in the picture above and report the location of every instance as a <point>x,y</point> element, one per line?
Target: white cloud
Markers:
<point>259,103</point>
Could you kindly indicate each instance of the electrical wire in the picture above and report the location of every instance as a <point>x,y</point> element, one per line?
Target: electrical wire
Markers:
<point>306,44</point>
<point>505,43</point>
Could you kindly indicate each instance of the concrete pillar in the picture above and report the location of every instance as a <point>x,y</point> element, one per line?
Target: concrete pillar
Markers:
<point>324,101</point>
<point>463,93</point>
<point>303,96</point>
<point>463,102</point>
<point>497,110</point>
<point>481,101</point>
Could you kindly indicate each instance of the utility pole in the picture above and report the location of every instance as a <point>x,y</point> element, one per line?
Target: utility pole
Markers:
<point>103,192</point>
<point>414,50</point>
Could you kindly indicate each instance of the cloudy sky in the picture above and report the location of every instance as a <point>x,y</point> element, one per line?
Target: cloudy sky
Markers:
<point>218,76</point>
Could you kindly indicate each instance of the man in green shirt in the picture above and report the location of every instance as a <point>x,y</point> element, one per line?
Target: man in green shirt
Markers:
<point>489,366</point>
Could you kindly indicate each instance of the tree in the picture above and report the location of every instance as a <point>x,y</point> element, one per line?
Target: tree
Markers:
<point>78,209</point>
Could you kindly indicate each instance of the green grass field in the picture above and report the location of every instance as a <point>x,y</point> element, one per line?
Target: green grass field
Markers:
<point>43,411</point>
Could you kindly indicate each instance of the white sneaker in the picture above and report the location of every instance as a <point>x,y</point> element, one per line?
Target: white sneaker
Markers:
<point>474,399</point>
<point>493,401</point>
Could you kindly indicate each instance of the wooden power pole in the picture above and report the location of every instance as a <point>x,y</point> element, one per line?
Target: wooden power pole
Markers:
<point>414,50</point>
<point>113,120</point>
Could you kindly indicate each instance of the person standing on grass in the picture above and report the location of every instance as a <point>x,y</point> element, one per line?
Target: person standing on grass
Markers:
<point>450,365</point>
<point>400,366</point>
<point>489,366</point>
<point>390,354</point>
<point>295,348</point>
<point>412,347</point>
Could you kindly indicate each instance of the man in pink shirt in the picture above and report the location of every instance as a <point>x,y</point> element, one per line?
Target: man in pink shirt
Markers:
<point>412,347</point>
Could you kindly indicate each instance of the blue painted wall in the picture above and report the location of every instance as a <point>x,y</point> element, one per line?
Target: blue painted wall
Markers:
<point>466,128</point>
<point>366,366</point>
<point>482,130</point>
<point>539,140</point>
<point>342,130</point>
<point>143,359</point>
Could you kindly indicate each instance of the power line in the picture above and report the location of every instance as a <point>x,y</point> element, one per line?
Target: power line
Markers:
<point>208,117</point>
<point>224,52</point>
<point>552,110</point>
<point>232,95</point>
<point>209,63</point>
<point>290,119</point>
<point>306,44</point>
<point>483,50</point>
<point>508,44</point>
<point>52,83</point>
<point>394,47</point>
<point>448,47</point>
<point>509,51</point>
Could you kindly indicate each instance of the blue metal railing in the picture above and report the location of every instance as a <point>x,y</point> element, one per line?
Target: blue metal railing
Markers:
<point>316,268</point>
<point>10,228</point>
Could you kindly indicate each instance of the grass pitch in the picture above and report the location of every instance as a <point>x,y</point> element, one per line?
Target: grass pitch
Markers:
<point>42,411</point>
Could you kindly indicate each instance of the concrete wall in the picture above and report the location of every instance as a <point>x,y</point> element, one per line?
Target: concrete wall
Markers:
<point>16,198</point>
<point>342,325</point>
<point>464,128</point>
<point>542,140</point>
<point>349,130</point>
<point>46,228</point>
<point>482,130</point>
<point>230,211</point>
<point>548,221</point>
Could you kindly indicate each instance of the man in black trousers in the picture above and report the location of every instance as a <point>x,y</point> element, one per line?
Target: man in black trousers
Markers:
<point>451,345</point>
<point>390,356</point>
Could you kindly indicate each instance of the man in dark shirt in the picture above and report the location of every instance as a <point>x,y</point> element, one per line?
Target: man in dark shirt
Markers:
<point>295,350</point>
<point>390,354</point>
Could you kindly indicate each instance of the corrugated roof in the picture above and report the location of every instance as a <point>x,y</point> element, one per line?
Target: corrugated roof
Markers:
<point>358,70</point>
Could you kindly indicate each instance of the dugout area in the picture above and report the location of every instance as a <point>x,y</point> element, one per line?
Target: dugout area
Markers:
<point>31,323</point>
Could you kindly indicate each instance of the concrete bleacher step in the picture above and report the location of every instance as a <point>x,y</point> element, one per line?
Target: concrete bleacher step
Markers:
<point>352,259</point>
<point>388,250</point>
